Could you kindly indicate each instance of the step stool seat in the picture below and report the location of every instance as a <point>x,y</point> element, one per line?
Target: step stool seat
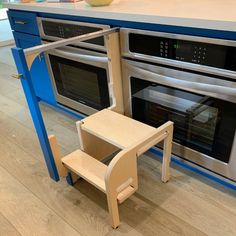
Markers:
<point>114,128</point>
<point>87,167</point>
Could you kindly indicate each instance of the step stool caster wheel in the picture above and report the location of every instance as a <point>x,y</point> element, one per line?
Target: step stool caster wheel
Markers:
<point>69,179</point>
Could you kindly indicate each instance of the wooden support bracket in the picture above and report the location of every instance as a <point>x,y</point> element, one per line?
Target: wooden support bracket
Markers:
<point>62,171</point>
<point>33,52</point>
<point>114,67</point>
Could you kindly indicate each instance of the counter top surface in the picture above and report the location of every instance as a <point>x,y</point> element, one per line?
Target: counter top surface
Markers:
<point>209,14</point>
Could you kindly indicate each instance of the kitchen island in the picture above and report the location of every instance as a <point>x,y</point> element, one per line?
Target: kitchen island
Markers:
<point>186,18</point>
<point>209,14</point>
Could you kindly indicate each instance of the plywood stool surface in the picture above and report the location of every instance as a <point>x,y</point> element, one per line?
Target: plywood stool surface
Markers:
<point>87,167</point>
<point>115,128</point>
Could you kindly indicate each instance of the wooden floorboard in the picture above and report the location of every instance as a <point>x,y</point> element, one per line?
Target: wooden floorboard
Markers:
<point>28,214</point>
<point>6,228</point>
<point>63,199</point>
<point>32,204</point>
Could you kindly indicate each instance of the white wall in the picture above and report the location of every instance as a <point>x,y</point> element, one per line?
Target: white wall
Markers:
<point>3,14</point>
<point>6,37</point>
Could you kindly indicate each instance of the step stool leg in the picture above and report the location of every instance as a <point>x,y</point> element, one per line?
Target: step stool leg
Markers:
<point>167,156</point>
<point>113,211</point>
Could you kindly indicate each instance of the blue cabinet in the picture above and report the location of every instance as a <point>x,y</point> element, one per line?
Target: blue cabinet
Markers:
<point>39,72</point>
<point>24,22</point>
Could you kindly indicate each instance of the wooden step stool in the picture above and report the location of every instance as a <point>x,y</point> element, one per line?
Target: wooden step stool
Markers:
<point>102,134</point>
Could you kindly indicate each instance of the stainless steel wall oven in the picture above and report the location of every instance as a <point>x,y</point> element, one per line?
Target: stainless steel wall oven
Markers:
<point>79,73</point>
<point>191,81</point>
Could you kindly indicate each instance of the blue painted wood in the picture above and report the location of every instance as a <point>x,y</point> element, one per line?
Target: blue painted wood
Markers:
<point>159,153</point>
<point>25,22</point>
<point>222,34</point>
<point>26,40</point>
<point>36,115</point>
<point>39,72</point>
<point>138,25</point>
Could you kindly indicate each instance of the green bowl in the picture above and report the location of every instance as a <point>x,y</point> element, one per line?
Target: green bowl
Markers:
<point>97,3</point>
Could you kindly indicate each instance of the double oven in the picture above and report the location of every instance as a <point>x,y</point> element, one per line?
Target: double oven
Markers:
<point>79,72</point>
<point>186,79</point>
<point>190,81</point>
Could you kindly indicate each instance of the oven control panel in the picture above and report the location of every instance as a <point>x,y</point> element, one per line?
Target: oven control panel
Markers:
<point>219,56</point>
<point>54,29</point>
<point>191,52</point>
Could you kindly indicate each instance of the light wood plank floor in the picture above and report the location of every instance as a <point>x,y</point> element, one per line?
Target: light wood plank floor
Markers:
<point>32,204</point>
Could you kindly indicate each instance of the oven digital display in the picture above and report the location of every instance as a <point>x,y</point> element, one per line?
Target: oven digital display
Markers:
<point>200,53</point>
<point>219,56</point>
<point>66,30</point>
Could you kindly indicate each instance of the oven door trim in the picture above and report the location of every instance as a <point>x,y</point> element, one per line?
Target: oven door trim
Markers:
<point>191,82</point>
<point>81,44</point>
<point>93,59</point>
<point>225,169</point>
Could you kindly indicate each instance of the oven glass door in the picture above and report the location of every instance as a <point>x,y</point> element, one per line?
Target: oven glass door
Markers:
<point>202,123</point>
<point>80,82</point>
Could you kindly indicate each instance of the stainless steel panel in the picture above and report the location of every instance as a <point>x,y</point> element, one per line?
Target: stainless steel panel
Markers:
<point>82,44</point>
<point>202,169</point>
<point>74,54</point>
<point>225,169</point>
<point>192,82</point>
<point>124,37</point>
<point>77,56</point>
<point>131,69</point>
<point>81,55</point>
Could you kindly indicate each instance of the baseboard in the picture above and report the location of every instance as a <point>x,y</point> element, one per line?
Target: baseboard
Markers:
<point>7,42</point>
<point>197,169</point>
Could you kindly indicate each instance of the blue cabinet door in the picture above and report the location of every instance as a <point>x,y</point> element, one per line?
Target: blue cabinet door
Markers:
<point>39,72</point>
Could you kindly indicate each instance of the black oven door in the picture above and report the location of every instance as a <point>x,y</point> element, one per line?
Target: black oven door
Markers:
<point>80,79</point>
<point>201,122</point>
<point>204,120</point>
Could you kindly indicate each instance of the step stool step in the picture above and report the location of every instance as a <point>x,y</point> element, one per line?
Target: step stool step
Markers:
<point>87,167</point>
<point>126,193</point>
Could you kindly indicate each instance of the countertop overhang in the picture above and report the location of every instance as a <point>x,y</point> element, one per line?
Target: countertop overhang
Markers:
<point>205,14</point>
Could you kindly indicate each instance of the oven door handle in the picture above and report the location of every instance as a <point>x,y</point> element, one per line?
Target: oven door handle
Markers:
<point>78,56</point>
<point>174,82</point>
